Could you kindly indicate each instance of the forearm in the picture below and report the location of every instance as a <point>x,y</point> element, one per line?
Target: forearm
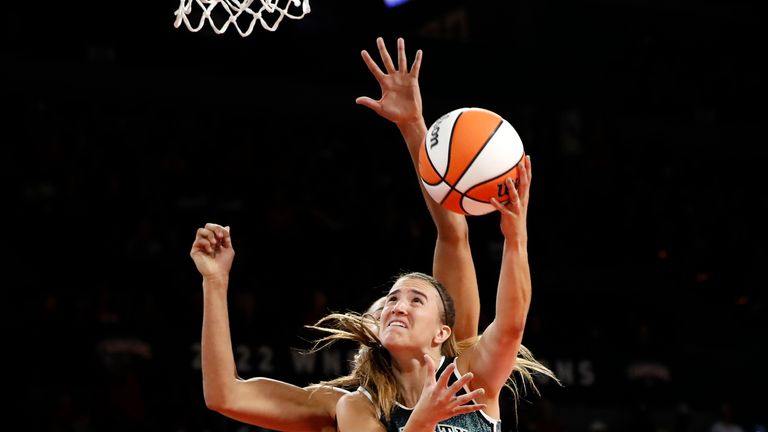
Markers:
<point>493,358</point>
<point>454,267</point>
<point>513,298</point>
<point>451,227</point>
<point>218,363</point>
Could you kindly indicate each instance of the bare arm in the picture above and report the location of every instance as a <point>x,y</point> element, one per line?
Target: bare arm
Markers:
<point>262,402</point>
<point>493,358</point>
<point>452,262</point>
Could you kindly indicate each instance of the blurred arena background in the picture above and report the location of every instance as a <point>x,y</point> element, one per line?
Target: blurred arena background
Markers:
<point>123,134</point>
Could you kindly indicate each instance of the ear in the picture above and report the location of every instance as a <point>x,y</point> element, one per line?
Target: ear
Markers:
<point>442,335</point>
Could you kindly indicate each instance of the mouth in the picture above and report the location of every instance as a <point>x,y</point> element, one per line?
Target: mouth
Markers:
<point>397,323</point>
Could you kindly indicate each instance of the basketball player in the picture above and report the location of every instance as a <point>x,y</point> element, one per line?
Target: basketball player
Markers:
<point>281,406</point>
<point>273,404</point>
<point>416,384</point>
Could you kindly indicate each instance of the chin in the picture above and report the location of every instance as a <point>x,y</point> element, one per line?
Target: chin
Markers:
<point>394,342</point>
<point>399,344</point>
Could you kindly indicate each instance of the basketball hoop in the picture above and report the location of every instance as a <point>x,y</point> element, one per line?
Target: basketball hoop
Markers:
<point>269,13</point>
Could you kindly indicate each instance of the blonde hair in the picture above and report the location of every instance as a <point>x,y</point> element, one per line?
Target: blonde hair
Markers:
<point>372,364</point>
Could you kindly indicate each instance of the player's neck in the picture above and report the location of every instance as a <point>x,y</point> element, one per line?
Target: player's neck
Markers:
<point>410,372</point>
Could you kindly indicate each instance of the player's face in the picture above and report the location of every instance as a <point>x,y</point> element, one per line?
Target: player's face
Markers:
<point>411,315</point>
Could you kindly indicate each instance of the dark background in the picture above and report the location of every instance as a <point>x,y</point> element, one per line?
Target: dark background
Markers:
<point>122,135</point>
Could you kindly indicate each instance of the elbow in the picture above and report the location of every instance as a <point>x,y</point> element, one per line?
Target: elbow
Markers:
<point>217,404</point>
<point>512,330</point>
<point>512,320</point>
<point>216,400</point>
<point>453,232</point>
<point>515,332</point>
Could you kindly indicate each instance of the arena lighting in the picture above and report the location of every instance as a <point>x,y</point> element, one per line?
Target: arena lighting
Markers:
<point>393,3</point>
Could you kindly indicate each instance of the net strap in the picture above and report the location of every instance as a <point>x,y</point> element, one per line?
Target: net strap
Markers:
<point>237,8</point>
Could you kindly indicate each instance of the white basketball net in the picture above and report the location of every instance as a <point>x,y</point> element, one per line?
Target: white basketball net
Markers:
<point>268,13</point>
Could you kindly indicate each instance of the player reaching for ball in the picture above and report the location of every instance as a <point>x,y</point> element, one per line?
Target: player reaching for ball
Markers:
<point>467,154</point>
<point>281,406</point>
<point>416,328</point>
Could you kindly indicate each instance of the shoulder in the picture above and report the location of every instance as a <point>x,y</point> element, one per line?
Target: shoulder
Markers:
<point>359,399</point>
<point>326,390</point>
<point>325,395</point>
<point>355,411</point>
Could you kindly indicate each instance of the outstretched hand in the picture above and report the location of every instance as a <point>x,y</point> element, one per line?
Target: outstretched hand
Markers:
<point>212,251</point>
<point>400,100</point>
<point>438,400</point>
<point>515,211</point>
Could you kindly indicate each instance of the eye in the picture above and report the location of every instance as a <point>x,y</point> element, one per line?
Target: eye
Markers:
<point>418,300</point>
<point>391,299</point>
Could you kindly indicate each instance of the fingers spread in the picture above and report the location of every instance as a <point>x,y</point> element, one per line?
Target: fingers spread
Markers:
<point>461,400</point>
<point>525,180</point>
<point>442,382</point>
<point>466,409</point>
<point>513,194</point>
<point>461,382</point>
<point>385,58</point>
<point>372,66</point>
<point>430,364</point>
<point>416,64</point>
<point>402,62</point>
<point>528,166</point>
<point>500,207</point>
<point>368,102</point>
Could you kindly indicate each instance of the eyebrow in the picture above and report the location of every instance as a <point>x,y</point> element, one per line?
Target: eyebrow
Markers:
<point>418,292</point>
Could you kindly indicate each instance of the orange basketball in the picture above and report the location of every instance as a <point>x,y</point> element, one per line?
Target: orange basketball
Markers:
<point>466,157</point>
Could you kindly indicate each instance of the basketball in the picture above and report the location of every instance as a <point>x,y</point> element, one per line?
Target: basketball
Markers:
<point>466,157</point>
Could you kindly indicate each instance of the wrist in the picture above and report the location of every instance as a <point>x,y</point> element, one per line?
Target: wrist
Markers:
<point>411,126</point>
<point>516,244</point>
<point>215,281</point>
<point>417,424</point>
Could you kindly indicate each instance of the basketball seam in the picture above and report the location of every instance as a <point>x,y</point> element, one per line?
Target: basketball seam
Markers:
<point>448,162</point>
<point>450,143</point>
<point>477,153</point>
<point>478,185</point>
<point>429,159</point>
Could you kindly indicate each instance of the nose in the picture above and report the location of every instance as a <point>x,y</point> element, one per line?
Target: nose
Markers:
<point>399,308</point>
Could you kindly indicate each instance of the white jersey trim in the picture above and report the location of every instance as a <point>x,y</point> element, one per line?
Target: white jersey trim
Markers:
<point>367,394</point>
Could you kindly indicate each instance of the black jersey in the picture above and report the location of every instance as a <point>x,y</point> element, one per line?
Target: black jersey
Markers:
<point>477,421</point>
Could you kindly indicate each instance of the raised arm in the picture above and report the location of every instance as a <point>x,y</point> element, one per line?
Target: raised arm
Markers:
<point>261,402</point>
<point>493,358</point>
<point>401,104</point>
